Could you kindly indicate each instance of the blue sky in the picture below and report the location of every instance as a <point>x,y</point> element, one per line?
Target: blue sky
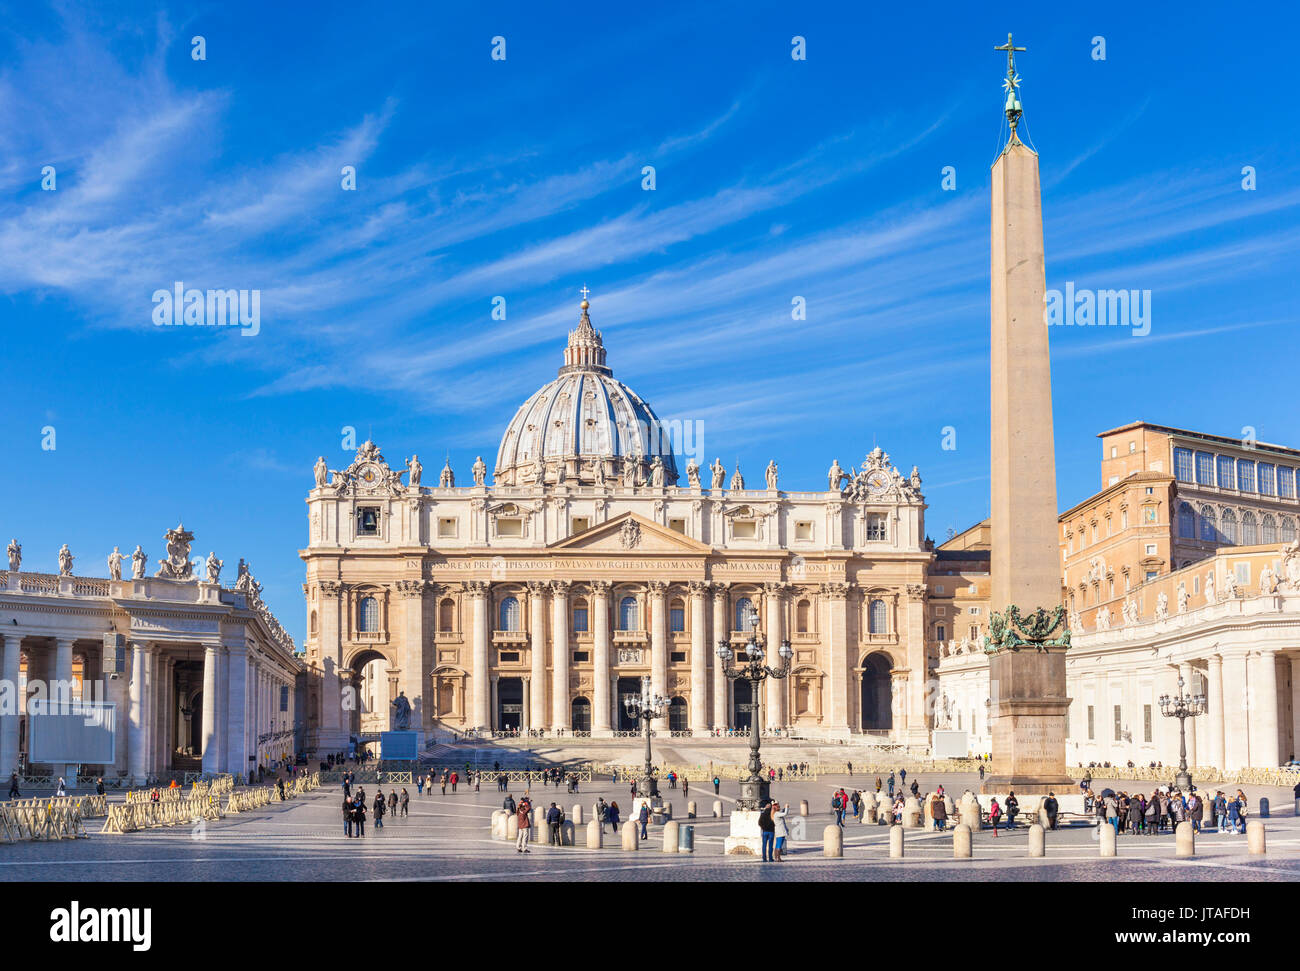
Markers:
<point>522,178</point>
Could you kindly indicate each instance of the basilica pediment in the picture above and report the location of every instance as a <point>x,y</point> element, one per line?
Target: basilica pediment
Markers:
<point>630,533</point>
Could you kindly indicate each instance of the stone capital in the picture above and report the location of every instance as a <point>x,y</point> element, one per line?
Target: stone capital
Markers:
<point>330,589</point>
<point>478,588</point>
<point>836,590</point>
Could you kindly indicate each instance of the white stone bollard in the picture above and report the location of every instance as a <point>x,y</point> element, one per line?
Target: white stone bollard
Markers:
<point>499,824</point>
<point>1255,838</point>
<point>717,809</point>
<point>1037,840</point>
<point>512,827</point>
<point>803,807</point>
<point>870,812</point>
<point>690,809</point>
<point>970,813</point>
<point>595,838</point>
<point>961,842</point>
<point>576,816</point>
<point>895,842</point>
<point>670,836</point>
<point>1107,840</point>
<point>912,813</point>
<point>541,832</point>
<point>631,837</point>
<point>1184,840</point>
<point>833,841</point>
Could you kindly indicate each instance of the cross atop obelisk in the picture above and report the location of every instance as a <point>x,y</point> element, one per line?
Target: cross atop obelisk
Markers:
<point>1011,82</point>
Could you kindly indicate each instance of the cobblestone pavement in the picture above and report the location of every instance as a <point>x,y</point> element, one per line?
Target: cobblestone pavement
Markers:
<point>447,838</point>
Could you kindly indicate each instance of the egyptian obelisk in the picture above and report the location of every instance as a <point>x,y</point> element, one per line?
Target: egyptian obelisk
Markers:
<point>1027,633</point>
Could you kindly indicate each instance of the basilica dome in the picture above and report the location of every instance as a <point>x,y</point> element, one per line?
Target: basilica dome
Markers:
<point>585,427</point>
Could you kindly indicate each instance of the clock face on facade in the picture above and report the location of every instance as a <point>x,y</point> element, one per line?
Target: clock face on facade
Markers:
<point>369,474</point>
<point>877,481</point>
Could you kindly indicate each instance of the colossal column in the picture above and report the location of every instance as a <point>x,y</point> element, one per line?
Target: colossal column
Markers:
<point>331,730</point>
<point>560,655</point>
<point>658,643</point>
<point>1028,636</point>
<point>1185,673</point>
<point>537,647</point>
<point>62,670</point>
<point>480,687</point>
<point>1236,737</point>
<point>414,671</point>
<point>240,726</point>
<point>774,703</point>
<point>835,653</point>
<point>699,658</point>
<point>1215,714</point>
<point>912,626</point>
<point>721,632</point>
<point>601,693</point>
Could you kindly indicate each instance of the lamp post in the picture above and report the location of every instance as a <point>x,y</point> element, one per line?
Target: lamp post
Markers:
<point>1182,707</point>
<point>646,708</point>
<point>754,789</point>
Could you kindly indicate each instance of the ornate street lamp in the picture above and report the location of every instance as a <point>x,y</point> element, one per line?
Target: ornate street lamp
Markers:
<point>1183,707</point>
<point>754,789</point>
<point>646,708</point>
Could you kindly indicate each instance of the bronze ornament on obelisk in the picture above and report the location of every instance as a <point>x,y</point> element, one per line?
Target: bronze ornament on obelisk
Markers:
<point>1028,636</point>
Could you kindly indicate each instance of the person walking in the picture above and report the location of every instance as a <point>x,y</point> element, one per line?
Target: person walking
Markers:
<point>359,815</point>
<point>405,802</point>
<point>554,819</point>
<point>444,782</point>
<point>455,777</point>
<point>717,785</point>
<point>419,786</point>
<point>347,816</point>
<point>1051,806</point>
<point>522,817</point>
<point>981,772</point>
<point>392,802</point>
<point>767,831</point>
<point>613,815</point>
<point>379,810</point>
<point>995,813</point>
<point>902,777</point>
<point>643,818</point>
<point>891,785</point>
<point>1196,811</point>
<point>837,807</point>
<point>13,786</point>
<point>1012,808</point>
<point>508,804</point>
<point>940,813</point>
<point>686,786</point>
<point>780,829</point>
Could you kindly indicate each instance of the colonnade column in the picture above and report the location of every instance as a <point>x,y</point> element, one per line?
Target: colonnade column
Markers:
<point>62,670</point>
<point>137,767</point>
<point>1263,711</point>
<point>237,739</point>
<point>211,665</point>
<point>600,701</point>
<point>700,657</point>
<point>1236,741</point>
<point>536,717</point>
<point>480,687</point>
<point>560,655</point>
<point>1215,715</point>
<point>720,633</point>
<point>774,703</point>
<point>12,647</point>
<point>525,706</point>
<point>1295,707</point>
<point>658,644</point>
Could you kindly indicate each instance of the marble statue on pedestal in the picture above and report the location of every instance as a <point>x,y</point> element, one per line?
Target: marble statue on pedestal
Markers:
<point>693,473</point>
<point>657,472</point>
<point>719,474</point>
<point>1229,585</point>
<point>479,471</point>
<point>138,559</point>
<point>414,471</point>
<point>770,474</point>
<point>835,476</point>
<point>65,561</point>
<point>401,721</point>
<point>177,565</point>
<point>15,555</point>
<point>213,567</point>
<point>115,564</point>
<point>322,473</point>
<point>1209,587</point>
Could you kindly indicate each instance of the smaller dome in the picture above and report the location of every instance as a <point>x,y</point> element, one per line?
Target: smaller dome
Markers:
<point>585,427</point>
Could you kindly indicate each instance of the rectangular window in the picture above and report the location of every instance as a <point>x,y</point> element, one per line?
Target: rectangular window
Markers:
<point>1183,464</point>
<point>1204,468</point>
<point>941,611</point>
<point>677,619</point>
<point>1227,479</point>
<point>677,526</point>
<point>510,527</point>
<point>743,530</point>
<point>1243,574</point>
<point>678,657</point>
<point>509,656</point>
<point>580,620</point>
<point>975,610</point>
<point>1265,479</point>
<point>1245,475</point>
<point>580,524</point>
<point>1119,723</point>
<point>1151,549</point>
<point>1285,482</point>
<point>581,657</point>
<point>938,588</point>
<point>974,632</point>
<point>803,531</point>
<point>1146,723</point>
<point>447,528</point>
<point>875,526</point>
<point>1151,575</point>
<point>1092,723</point>
<point>1123,519</point>
<point>941,633</point>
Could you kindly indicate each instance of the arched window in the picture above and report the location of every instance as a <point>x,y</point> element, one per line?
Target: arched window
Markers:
<point>940,632</point>
<point>447,615</point>
<point>368,615</point>
<point>580,616</point>
<point>1268,529</point>
<point>509,614</point>
<point>677,616</point>
<point>877,618</point>
<point>1287,533</point>
<point>1229,528</point>
<point>1249,529</point>
<point>801,617</point>
<point>875,526</point>
<point>1208,531</point>
<point>1186,521</point>
<point>743,620</point>
<point>628,614</point>
<point>313,622</point>
<point>677,715</point>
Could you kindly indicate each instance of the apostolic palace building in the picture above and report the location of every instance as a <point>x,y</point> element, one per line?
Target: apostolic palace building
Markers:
<point>539,600</point>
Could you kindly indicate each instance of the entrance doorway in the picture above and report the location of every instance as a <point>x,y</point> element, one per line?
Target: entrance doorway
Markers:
<point>510,704</point>
<point>877,695</point>
<point>626,687</point>
<point>580,715</point>
<point>742,704</point>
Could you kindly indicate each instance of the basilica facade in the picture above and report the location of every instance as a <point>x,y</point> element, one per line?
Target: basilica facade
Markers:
<point>540,600</point>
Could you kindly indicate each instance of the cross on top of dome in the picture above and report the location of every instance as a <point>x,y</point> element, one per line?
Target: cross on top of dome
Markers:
<point>586,351</point>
